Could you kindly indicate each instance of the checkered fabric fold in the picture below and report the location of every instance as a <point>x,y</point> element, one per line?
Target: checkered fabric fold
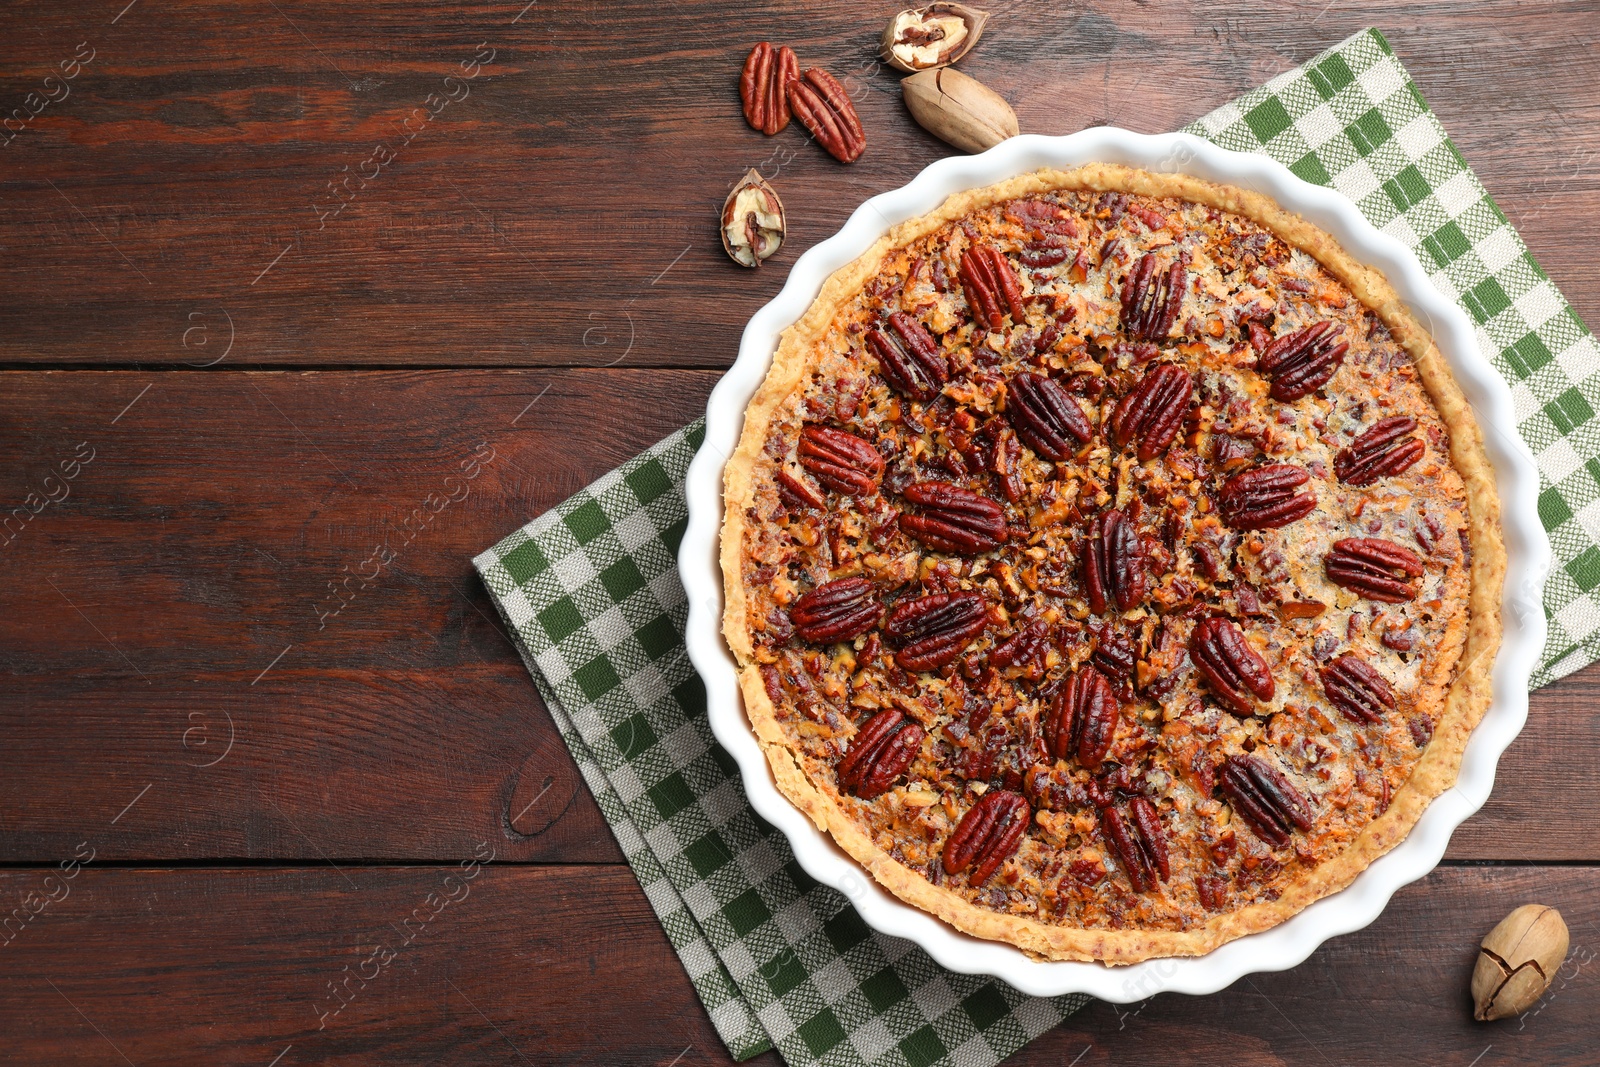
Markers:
<point>591,593</point>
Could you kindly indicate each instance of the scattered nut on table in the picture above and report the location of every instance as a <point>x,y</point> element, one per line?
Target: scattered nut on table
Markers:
<point>752,221</point>
<point>959,109</point>
<point>1517,961</point>
<point>933,36</point>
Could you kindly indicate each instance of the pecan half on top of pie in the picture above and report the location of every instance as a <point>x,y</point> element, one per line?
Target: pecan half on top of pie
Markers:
<point>1113,564</point>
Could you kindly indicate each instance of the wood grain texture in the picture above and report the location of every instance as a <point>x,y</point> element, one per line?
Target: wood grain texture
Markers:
<point>232,967</point>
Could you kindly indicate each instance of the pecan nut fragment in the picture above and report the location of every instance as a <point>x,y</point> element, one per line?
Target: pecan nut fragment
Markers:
<point>1114,654</point>
<point>1263,498</point>
<point>1300,363</point>
<point>824,108</point>
<point>1143,856</point>
<point>763,86</point>
<point>1154,412</point>
<point>909,357</point>
<point>1152,298</point>
<point>1047,418</point>
<point>1264,797</point>
<point>1234,671</point>
<point>798,494</point>
<point>1356,688</point>
<point>1082,721</point>
<point>1375,568</point>
<point>836,611</point>
<point>1113,564</point>
<point>1385,449</point>
<point>992,287</point>
<point>987,835</point>
<point>933,630</point>
<point>953,519</point>
<point>879,753</point>
<point>841,461</point>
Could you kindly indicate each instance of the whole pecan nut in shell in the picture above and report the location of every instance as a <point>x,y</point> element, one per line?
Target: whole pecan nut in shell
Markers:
<point>1151,298</point>
<point>764,86</point>
<point>933,630</point>
<point>1143,855</point>
<point>1114,573</point>
<point>992,287</point>
<point>1301,362</point>
<point>1266,497</point>
<point>1047,418</point>
<point>1375,568</point>
<point>841,461</point>
<point>836,611</point>
<point>1356,688</point>
<point>1385,449</point>
<point>953,519</point>
<point>1234,670</point>
<point>1154,412</point>
<point>1265,798</point>
<point>987,835</point>
<point>823,107</point>
<point>909,357</point>
<point>1082,721</point>
<point>879,753</point>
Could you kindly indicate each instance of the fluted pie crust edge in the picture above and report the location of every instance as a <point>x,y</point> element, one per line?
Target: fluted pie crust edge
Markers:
<point>1465,703</point>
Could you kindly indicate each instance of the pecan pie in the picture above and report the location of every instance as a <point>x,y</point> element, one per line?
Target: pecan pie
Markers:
<point>1113,564</point>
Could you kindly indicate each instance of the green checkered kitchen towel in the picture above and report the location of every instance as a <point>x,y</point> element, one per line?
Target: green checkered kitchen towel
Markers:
<point>591,591</point>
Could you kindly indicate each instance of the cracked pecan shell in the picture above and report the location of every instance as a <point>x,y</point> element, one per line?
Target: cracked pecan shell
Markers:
<point>1356,688</point>
<point>879,753</point>
<point>1154,412</point>
<point>1375,568</point>
<point>763,86</point>
<point>1114,572</point>
<point>841,461</point>
<point>1266,497</point>
<point>1046,417</point>
<point>909,357</point>
<point>1143,854</point>
<point>992,287</point>
<point>836,611</point>
<point>1082,721</point>
<point>1235,672</point>
<point>1151,298</point>
<point>953,519</point>
<point>932,630</point>
<point>1260,793</point>
<point>987,835</point>
<point>1300,363</point>
<point>1386,448</point>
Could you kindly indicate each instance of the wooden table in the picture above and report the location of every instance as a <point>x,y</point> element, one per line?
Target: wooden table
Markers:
<point>262,344</point>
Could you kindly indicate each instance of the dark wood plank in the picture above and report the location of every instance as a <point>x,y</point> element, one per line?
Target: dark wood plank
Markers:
<point>563,212</point>
<point>233,966</point>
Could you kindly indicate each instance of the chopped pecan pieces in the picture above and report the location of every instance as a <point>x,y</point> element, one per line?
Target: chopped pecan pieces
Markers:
<point>992,287</point>
<point>836,611</point>
<point>1385,449</point>
<point>841,461</point>
<point>1151,299</point>
<point>1300,363</point>
<point>1143,856</point>
<point>1234,671</point>
<point>1261,794</point>
<point>953,519</point>
<point>1047,417</point>
<point>1114,570</point>
<point>824,108</point>
<point>1266,497</point>
<point>1114,654</point>
<point>1082,720</point>
<point>763,86</point>
<point>879,753</point>
<point>1154,412</point>
<point>1356,688</point>
<point>1375,568</point>
<point>933,630</point>
<point>909,357</point>
<point>987,835</point>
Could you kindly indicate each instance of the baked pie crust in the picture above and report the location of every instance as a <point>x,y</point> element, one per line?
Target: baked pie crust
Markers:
<point>1162,564</point>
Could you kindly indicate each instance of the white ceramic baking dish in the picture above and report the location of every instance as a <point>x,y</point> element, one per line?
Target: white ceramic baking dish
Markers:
<point>1527,547</point>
